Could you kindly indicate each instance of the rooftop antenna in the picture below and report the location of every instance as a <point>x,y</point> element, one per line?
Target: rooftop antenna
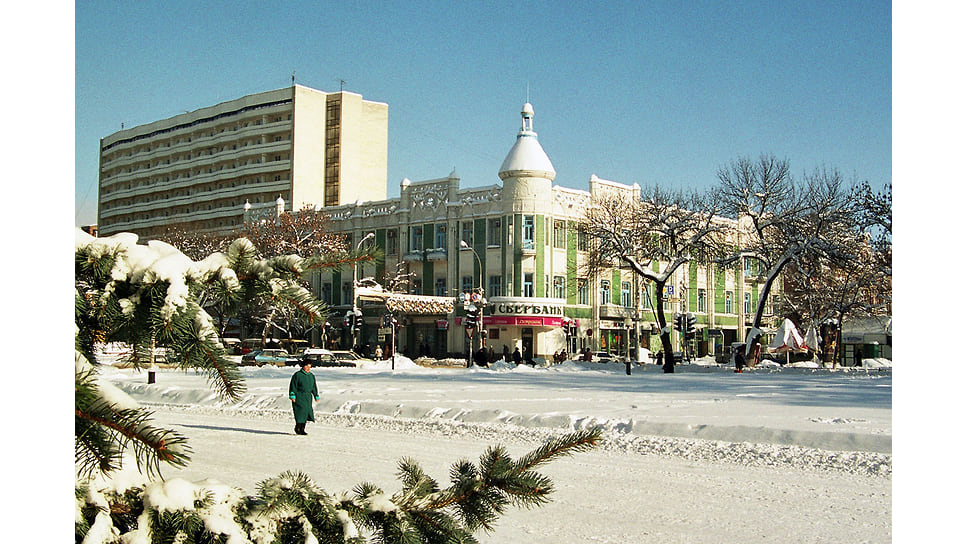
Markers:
<point>341,82</point>
<point>293,77</point>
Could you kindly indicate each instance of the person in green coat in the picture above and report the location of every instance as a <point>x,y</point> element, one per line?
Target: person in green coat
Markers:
<point>302,393</point>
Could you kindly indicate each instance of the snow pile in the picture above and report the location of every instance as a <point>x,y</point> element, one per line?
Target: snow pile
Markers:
<point>703,411</point>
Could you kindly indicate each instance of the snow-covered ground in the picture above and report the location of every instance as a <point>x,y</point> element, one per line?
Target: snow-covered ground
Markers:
<point>703,455</point>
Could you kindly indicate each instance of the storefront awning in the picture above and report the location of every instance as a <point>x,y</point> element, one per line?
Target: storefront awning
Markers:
<point>522,321</point>
<point>409,304</point>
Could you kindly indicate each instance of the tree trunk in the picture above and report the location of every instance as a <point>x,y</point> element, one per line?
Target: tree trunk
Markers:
<point>668,364</point>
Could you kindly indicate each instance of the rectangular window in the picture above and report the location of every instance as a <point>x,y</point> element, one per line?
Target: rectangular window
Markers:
<point>416,288</point>
<point>701,300</point>
<point>528,287</point>
<point>581,291</point>
<point>467,232</point>
<point>627,294</point>
<point>747,303</point>
<point>347,292</point>
<point>582,239</point>
<point>729,302</point>
<point>605,292</point>
<point>466,284</point>
<point>494,286</point>
<point>326,293</point>
<point>416,238</point>
<point>559,234</point>
<point>559,287</point>
<point>494,232</point>
<point>527,232</point>
<point>747,267</point>
<point>440,238</point>
<point>440,287</point>
<point>393,245</point>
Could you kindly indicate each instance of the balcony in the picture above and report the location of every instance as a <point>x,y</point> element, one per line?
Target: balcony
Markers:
<point>610,311</point>
<point>436,254</point>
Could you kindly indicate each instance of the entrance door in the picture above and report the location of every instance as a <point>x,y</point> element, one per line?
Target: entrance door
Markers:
<point>527,343</point>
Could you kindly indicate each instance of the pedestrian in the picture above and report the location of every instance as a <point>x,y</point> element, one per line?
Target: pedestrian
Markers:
<point>658,358</point>
<point>516,356</point>
<point>378,353</point>
<point>480,357</point>
<point>740,359</point>
<point>302,393</point>
<point>588,355</point>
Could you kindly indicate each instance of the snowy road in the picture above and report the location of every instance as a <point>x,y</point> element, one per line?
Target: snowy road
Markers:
<point>601,496</point>
<point>701,456</point>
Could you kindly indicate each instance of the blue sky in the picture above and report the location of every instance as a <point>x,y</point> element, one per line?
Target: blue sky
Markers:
<point>646,92</point>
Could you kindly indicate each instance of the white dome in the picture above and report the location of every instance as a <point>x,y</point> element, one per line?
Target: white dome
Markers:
<point>527,158</point>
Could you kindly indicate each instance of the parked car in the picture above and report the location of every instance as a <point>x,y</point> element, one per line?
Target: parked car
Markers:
<point>277,357</point>
<point>323,357</point>
<point>232,345</point>
<point>249,345</point>
<point>352,357</point>
<point>606,357</point>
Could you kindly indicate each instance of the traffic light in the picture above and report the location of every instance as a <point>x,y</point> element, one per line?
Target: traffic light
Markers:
<point>472,314</point>
<point>690,324</point>
<point>678,322</point>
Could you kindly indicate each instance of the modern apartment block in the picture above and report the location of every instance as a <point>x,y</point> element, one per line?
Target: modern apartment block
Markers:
<point>198,170</point>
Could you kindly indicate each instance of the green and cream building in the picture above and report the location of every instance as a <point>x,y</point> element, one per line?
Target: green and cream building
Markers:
<point>519,241</point>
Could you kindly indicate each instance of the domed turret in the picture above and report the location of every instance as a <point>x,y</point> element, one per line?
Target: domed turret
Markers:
<point>527,158</point>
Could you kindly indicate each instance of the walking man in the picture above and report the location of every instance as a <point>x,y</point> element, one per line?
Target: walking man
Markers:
<point>302,393</point>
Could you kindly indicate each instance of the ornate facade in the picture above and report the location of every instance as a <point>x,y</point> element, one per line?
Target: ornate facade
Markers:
<point>518,243</point>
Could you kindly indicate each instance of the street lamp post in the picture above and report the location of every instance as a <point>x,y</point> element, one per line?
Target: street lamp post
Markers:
<point>479,304</point>
<point>356,312</point>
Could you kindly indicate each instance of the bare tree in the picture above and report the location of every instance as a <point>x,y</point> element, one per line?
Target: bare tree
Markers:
<point>195,245</point>
<point>306,232</point>
<point>856,281</point>
<point>787,221</point>
<point>653,234</point>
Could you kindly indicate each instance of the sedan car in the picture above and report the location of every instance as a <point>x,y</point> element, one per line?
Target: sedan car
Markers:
<point>277,357</point>
<point>352,357</point>
<point>323,357</point>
